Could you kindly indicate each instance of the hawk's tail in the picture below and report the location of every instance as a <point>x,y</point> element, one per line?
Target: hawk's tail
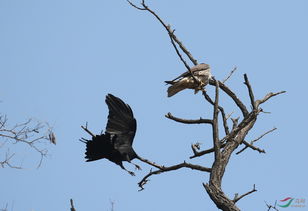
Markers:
<point>169,82</point>
<point>175,88</point>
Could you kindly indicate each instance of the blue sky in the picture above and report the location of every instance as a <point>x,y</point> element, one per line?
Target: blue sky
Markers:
<point>58,60</point>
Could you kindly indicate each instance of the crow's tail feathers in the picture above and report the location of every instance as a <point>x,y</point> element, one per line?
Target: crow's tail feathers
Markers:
<point>98,147</point>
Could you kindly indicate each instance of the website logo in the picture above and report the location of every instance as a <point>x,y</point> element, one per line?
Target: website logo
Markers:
<point>292,202</point>
<point>285,202</point>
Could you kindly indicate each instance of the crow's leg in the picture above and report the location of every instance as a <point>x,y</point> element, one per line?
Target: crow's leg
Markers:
<point>136,166</point>
<point>129,160</point>
<point>130,172</point>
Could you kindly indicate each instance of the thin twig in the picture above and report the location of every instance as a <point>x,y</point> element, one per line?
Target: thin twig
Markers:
<point>88,131</point>
<point>72,205</point>
<point>267,97</point>
<point>135,6</point>
<point>250,145</point>
<point>271,206</point>
<point>251,95</point>
<point>179,54</point>
<point>237,198</point>
<point>30,132</point>
<point>230,74</point>
<point>181,58</point>
<point>168,28</point>
<point>6,161</point>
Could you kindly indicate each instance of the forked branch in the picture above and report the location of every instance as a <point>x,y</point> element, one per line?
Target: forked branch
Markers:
<point>85,128</point>
<point>267,97</point>
<point>237,198</point>
<point>250,145</point>
<point>172,168</point>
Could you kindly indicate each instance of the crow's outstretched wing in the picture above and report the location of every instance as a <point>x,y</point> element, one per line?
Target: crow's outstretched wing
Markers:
<point>121,121</point>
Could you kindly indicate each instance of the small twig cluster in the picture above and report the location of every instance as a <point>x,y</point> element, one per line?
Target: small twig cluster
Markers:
<point>270,207</point>
<point>5,208</point>
<point>30,132</point>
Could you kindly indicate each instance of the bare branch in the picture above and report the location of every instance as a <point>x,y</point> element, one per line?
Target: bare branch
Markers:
<point>181,58</point>
<point>250,119</point>
<point>72,205</point>
<point>32,133</point>
<point>6,161</point>
<point>216,142</point>
<point>189,121</point>
<point>264,134</point>
<point>88,131</point>
<point>150,163</point>
<point>179,54</point>
<point>230,74</point>
<point>208,151</point>
<point>250,145</point>
<point>231,94</point>
<point>223,114</point>
<point>172,168</point>
<point>133,5</point>
<point>267,97</point>
<point>237,198</point>
<point>169,30</point>
<point>251,95</point>
<point>271,206</point>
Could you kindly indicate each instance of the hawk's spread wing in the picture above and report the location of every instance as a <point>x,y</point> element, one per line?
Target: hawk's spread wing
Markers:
<point>195,70</point>
<point>121,121</point>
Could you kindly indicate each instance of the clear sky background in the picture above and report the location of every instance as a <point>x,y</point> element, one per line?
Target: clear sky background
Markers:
<point>58,60</point>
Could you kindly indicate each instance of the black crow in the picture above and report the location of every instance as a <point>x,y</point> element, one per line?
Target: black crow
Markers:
<point>116,143</point>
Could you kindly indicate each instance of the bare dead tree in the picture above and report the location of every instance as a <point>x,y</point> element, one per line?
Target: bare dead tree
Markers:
<point>223,147</point>
<point>31,133</point>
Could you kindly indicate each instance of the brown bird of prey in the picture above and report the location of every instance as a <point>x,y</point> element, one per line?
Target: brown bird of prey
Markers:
<point>202,74</point>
